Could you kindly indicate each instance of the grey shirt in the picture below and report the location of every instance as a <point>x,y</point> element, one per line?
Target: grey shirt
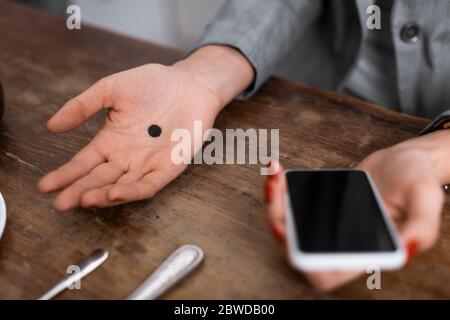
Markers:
<point>374,76</point>
<point>324,43</point>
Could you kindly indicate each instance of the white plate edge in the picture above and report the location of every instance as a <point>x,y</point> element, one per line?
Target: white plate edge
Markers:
<point>2,214</point>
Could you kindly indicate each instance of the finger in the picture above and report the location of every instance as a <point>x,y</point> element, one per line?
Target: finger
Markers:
<point>101,175</point>
<point>423,214</point>
<point>130,177</point>
<point>330,280</point>
<point>99,197</point>
<point>80,165</point>
<point>79,109</point>
<point>275,189</point>
<point>145,188</point>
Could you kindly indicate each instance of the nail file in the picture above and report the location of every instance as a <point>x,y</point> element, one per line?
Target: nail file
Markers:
<point>92,262</point>
<point>179,264</point>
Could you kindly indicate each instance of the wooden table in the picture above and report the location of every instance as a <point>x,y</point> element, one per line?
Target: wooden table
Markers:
<point>219,208</point>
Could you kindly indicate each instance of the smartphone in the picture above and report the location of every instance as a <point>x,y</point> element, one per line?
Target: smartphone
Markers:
<point>336,220</point>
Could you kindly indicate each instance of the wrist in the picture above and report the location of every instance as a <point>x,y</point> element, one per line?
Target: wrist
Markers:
<point>436,146</point>
<point>221,69</point>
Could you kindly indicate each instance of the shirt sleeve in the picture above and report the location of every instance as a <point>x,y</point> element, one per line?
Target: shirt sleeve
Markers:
<point>264,31</point>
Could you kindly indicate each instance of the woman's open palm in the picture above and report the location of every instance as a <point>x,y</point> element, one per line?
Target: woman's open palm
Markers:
<point>123,162</point>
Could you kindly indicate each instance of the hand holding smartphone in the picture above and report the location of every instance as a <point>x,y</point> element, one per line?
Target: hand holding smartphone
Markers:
<point>336,220</point>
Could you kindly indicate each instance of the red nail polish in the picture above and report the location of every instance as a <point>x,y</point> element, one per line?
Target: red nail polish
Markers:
<point>271,174</point>
<point>411,249</point>
<point>277,234</point>
<point>268,191</point>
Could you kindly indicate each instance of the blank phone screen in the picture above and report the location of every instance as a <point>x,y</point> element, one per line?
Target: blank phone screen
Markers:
<point>337,212</point>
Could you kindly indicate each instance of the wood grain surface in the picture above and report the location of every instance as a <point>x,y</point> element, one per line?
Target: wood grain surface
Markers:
<point>219,207</point>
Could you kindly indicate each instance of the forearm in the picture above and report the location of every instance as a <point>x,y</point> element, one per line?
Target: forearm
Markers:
<point>222,69</point>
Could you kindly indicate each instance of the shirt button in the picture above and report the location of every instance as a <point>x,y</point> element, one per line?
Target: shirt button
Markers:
<point>410,33</point>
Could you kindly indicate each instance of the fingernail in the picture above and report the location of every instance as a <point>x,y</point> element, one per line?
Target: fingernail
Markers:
<point>277,234</point>
<point>411,249</point>
<point>271,174</point>
<point>268,191</point>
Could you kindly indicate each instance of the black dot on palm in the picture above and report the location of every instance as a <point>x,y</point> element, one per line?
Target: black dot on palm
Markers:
<point>154,131</point>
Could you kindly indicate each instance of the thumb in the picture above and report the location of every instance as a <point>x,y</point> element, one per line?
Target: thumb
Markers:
<point>424,203</point>
<point>81,108</point>
<point>274,190</point>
